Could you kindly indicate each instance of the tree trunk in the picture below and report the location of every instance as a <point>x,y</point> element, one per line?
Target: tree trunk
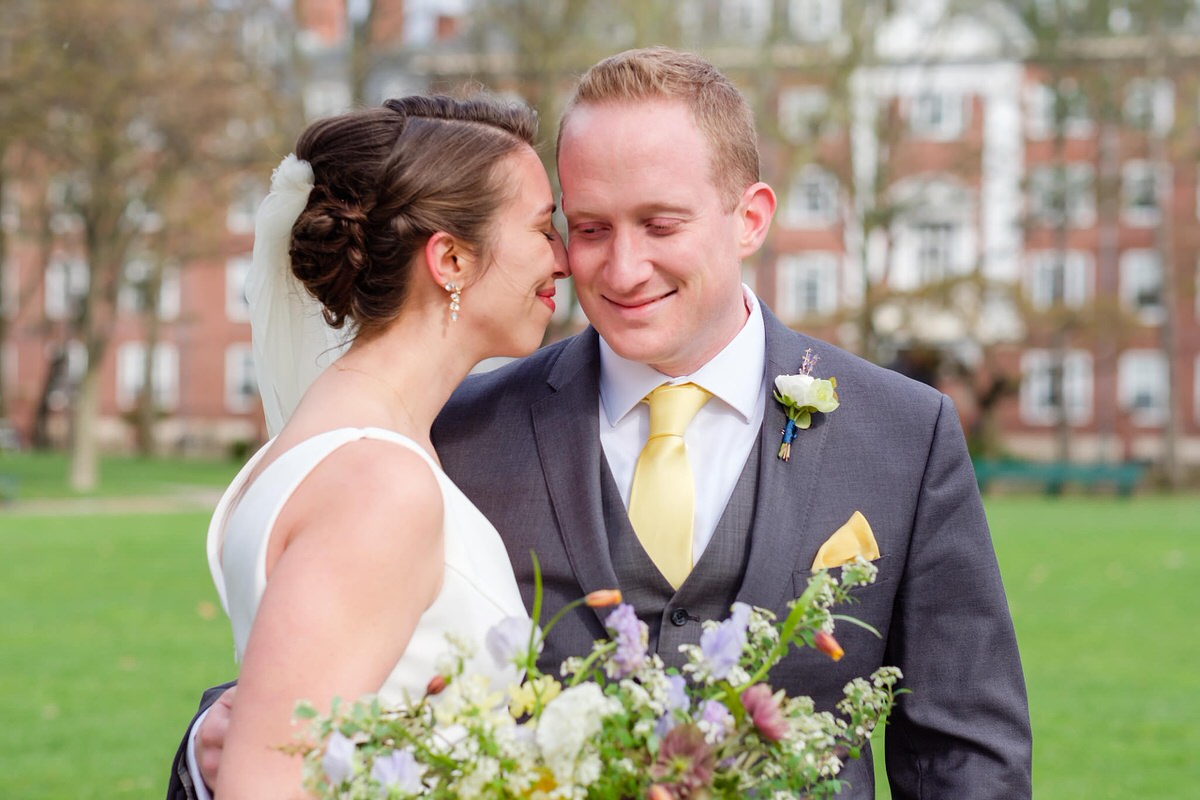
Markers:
<point>85,457</point>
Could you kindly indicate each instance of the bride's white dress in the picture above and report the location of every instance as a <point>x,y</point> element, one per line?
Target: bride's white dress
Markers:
<point>478,588</point>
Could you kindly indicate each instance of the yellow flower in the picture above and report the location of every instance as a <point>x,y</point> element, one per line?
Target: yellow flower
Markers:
<point>524,699</point>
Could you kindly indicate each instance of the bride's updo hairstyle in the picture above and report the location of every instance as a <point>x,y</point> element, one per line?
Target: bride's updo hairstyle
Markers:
<point>385,180</point>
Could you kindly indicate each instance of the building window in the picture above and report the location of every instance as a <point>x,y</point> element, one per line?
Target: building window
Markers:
<point>65,283</point>
<point>936,248</point>
<point>247,194</point>
<point>1043,398</point>
<point>70,362</point>
<point>1142,285</point>
<point>1059,279</point>
<point>745,20</point>
<point>815,20</point>
<point>1140,190</point>
<point>1150,104</point>
<point>813,199</point>
<point>132,297</point>
<point>1043,109</point>
<point>131,374</point>
<point>804,113</point>
<point>937,115</point>
<point>236,270</point>
<point>806,285</point>
<point>1062,191</point>
<point>1142,386</point>
<point>241,383</point>
<point>326,98</point>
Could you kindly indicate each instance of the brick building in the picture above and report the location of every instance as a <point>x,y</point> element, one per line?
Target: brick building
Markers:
<point>953,202</point>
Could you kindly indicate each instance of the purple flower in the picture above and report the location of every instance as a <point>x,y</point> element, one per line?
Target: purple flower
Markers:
<point>717,719</point>
<point>508,641</point>
<point>677,700</point>
<point>338,761</point>
<point>722,646</point>
<point>398,769</point>
<point>763,709</point>
<point>632,637</point>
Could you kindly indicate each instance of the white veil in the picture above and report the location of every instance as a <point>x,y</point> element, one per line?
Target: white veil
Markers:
<point>292,342</point>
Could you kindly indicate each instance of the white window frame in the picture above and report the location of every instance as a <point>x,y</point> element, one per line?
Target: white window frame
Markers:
<point>937,114</point>
<point>939,237</point>
<point>1136,176</point>
<point>131,374</point>
<point>745,20</point>
<point>1141,270</point>
<point>822,187</point>
<point>1039,112</point>
<point>806,285</point>
<point>130,296</point>
<point>1077,271</point>
<point>815,20</point>
<point>1150,104</point>
<point>1078,384</point>
<point>804,113</point>
<point>65,283</point>
<point>243,206</point>
<point>1143,374</point>
<point>240,374</point>
<point>237,268</point>
<point>1079,194</point>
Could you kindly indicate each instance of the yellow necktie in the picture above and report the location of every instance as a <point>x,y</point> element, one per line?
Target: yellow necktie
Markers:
<point>662,499</point>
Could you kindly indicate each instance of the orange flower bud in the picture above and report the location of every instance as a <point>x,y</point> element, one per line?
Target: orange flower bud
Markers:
<point>828,645</point>
<point>659,792</point>
<point>436,685</point>
<point>602,598</point>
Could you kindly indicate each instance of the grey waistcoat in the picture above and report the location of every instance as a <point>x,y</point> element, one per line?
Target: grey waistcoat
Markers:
<point>674,617</point>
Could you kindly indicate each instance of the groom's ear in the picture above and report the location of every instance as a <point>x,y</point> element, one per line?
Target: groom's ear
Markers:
<point>448,260</point>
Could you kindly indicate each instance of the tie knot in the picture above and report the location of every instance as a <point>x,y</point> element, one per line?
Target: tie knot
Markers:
<point>672,407</point>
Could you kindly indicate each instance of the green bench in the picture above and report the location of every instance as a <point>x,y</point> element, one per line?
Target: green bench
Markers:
<point>1052,476</point>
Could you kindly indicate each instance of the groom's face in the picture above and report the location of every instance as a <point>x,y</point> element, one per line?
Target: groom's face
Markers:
<point>653,248</point>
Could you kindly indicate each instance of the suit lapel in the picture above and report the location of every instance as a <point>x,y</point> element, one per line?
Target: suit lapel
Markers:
<point>566,426</point>
<point>786,489</point>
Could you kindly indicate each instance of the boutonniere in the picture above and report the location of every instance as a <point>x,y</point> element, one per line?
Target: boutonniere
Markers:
<point>802,395</point>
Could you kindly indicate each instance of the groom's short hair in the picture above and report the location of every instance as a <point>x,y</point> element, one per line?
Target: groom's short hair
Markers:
<point>718,108</point>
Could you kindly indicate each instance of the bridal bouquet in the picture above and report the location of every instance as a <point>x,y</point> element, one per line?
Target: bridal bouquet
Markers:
<point>616,723</point>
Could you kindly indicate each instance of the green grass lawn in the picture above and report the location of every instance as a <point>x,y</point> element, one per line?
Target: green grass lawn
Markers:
<point>42,475</point>
<point>1104,595</point>
<point>111,631</point>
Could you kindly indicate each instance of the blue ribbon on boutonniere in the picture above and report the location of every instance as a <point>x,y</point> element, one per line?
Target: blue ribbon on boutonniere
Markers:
<point>801,396</point>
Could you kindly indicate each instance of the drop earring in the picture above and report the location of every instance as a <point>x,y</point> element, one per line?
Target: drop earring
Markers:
<point>455,296</point>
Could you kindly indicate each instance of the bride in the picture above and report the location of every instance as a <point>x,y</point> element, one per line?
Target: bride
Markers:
<point>342,553</point>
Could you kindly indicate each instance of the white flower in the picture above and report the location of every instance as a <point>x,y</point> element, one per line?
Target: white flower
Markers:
<point>805,391</point>
<point>568,723</point>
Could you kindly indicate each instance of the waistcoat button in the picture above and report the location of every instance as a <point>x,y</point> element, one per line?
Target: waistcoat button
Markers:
<point>679,617</point>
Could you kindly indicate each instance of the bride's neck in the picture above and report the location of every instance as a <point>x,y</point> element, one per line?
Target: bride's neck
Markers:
<point>419,358</point>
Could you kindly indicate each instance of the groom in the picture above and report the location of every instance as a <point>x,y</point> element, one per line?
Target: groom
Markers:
<point>658,164</point>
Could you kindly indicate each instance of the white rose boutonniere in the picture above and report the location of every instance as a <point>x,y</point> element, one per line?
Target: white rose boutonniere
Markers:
<point>802,395</point>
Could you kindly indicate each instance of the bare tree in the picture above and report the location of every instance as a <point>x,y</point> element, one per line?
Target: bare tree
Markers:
<point>136,102</point>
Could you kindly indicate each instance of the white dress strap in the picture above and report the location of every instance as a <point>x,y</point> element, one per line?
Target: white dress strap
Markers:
<point>303,458</point>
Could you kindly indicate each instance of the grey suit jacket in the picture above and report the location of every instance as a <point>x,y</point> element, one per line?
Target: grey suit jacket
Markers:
<point>523,443</point>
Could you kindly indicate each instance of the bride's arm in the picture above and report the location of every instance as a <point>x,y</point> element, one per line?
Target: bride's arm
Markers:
<point>361,559</point>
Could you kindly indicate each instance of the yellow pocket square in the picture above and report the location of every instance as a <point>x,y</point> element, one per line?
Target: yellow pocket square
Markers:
<point>852,539</point>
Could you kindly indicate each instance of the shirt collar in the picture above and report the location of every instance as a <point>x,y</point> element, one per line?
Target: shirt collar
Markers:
<point>733,375</point>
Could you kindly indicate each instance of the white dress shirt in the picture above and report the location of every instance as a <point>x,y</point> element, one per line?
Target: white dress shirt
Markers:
<point>719,438</point>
